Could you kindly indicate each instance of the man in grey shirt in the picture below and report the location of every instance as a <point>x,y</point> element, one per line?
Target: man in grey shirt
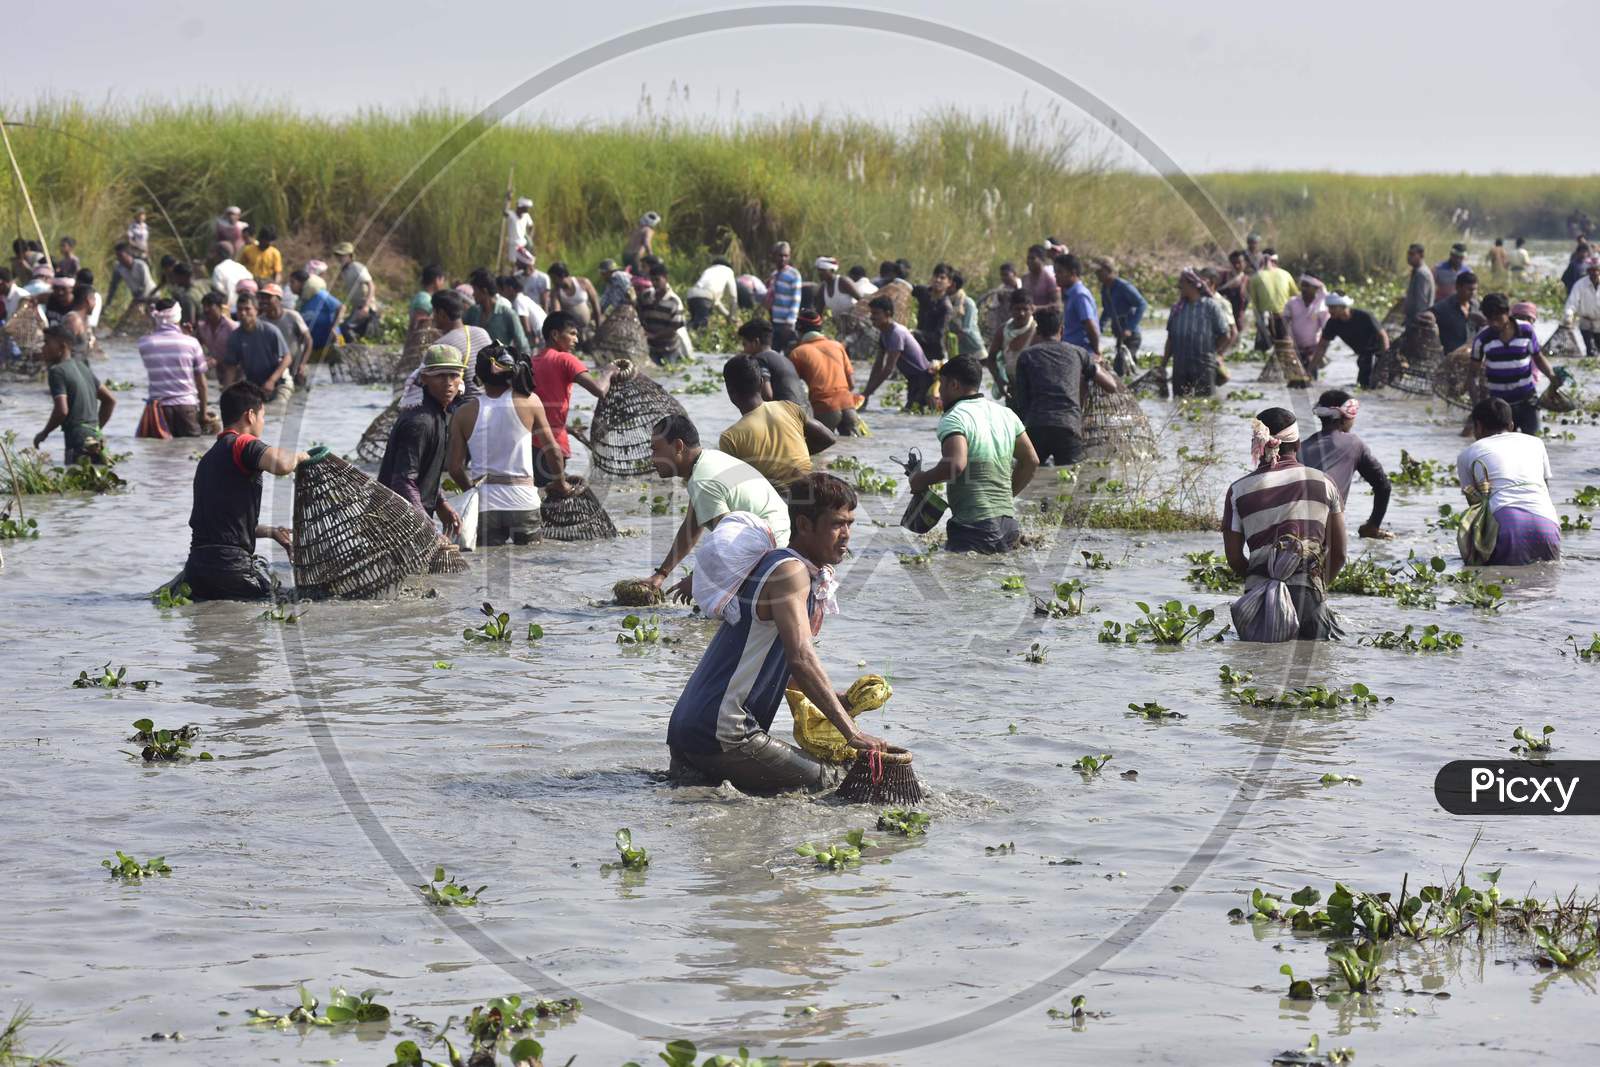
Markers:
<point>778,372</point>
<point>1419,290</point>
<point>296,334</point>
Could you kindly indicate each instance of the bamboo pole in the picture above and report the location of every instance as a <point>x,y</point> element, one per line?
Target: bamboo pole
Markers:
<point>23,185</point>
<point>500,248</point>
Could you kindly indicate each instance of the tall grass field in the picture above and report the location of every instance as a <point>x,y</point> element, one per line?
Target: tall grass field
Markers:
<point>428,187</point>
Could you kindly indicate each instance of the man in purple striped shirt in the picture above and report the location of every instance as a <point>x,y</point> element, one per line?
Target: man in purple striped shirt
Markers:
<point>177,369</point>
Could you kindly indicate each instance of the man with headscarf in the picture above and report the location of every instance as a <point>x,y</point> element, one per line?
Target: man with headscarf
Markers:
<point>519,228</point>
<point>835,293</point>
<point>1197,331</point>
<point>618,288</point>
<point>641,241</point>
<point>535,283</point>
<point>1303,318</point>
<point>1582,309</point>
<point>1271,287</point>
<point>1357,328</point>
<point>1289,518</point>
<point>176,366</point>
<point>1340,454</point>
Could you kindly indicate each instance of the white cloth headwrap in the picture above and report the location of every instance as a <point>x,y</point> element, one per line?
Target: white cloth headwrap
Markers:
<point>1347,410</point>
<point>826,263</point>
<point>167,317</point>
<point>524,256</point>
<point>1264,445</point>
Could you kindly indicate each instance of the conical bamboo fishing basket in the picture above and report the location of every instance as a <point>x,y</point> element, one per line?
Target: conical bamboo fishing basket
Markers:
<point>578,516</point>
<point>27,331</point>
<point>1563,344</point>
<point>365,364</point>
<point>1419,351</point>
<point>883,777</point>
<point>1115,425</point>
<point>353,537</point>
<point>1455,379</point>
<point>376,436</point>
<point>621,337</point>
<point>619,437</point>
<point>1287,357</point>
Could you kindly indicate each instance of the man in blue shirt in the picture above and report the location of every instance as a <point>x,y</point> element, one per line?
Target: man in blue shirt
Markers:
<point>1079,320</point>
<point>1123,308</point>
<point>783,298</point>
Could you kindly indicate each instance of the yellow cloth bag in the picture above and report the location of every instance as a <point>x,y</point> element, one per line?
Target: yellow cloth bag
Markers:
<point>817,736</point>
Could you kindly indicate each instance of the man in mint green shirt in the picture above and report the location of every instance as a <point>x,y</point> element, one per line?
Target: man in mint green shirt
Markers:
<point>987,459</point>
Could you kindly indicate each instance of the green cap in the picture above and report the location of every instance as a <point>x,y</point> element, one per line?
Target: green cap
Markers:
<point>443,359</point>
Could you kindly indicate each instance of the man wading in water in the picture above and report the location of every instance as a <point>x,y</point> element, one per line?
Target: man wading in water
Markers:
<point>719,725</point>
<point>226,518</point>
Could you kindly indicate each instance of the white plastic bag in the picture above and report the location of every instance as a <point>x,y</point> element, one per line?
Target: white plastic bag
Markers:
<point>724,559</point>
<point>466,506</point>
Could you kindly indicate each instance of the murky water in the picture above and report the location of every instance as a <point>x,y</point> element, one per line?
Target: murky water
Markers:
<point>343,752</point>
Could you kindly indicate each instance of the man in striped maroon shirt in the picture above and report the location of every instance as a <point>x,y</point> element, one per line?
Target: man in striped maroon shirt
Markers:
<point>1289,517</point>
<point>177,369</point>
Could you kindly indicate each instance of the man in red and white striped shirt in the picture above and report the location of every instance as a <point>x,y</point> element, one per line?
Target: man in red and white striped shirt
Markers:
<point>177,368</point>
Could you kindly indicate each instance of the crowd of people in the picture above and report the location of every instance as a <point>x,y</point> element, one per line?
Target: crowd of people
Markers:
<point>1006,372</point>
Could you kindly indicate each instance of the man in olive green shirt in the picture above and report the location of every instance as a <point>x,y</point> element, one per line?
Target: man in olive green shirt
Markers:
<point>80,405</point>
<point>987,459</point>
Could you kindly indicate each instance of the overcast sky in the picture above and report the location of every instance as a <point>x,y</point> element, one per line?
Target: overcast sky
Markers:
<point>1360,85</point>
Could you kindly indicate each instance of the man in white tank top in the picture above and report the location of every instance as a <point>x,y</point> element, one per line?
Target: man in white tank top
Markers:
<point>492,450</point>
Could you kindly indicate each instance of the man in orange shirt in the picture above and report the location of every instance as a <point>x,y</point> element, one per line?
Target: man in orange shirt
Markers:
<point>824,365</point>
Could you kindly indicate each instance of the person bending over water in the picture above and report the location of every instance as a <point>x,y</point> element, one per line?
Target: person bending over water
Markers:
<point>719,727</point>
<point>226,518</point>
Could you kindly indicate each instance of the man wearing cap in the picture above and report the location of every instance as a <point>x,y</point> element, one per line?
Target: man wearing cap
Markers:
<point>1356,328</point>
<point>1457,315</point>
<point>413,460</point>
<point>1582,310</point>
<point>353,288</point>
<point>1444,275</point>
<point>176,366</point>
<point>715,290</point>
<point>535,283</point>
<point>519,228</point>
<point>80,405</point>
<point>1271,288</point>
<point>257,353</point>
<point>230,233</point>
<point>296,334</point>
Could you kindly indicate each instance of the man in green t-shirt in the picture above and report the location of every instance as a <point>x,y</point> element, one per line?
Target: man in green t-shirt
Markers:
<point>80,404</point>
<point>717,484</point>
<point>987,459</point>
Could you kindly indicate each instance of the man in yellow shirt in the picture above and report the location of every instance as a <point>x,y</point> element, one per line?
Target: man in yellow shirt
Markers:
<point>263,261</point>
<point>1270,289</point>
<point>776,437</point>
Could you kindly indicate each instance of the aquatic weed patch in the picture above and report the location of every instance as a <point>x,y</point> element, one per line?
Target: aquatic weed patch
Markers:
<point>342,1008</point>
<point>165,746</point>
<point>906,823</point>
<point>629,857</point>
<point>1171,623</point>
<point>1210,570</point>
<point>840,854</point>
<point>129,869</point>
<point>447,892</point>
<point>1430,639</point>
<point>110,679</point>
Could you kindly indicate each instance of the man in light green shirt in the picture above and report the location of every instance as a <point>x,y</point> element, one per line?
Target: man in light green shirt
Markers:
<point>1270,289</point>
<point>717,484</point>
<point>987,459</point>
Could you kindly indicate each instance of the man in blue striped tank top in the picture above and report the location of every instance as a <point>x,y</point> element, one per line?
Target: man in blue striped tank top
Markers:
<point>719,728</point>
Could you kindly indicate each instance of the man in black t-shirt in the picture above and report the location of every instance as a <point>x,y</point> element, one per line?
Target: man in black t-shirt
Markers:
<point>1356,328</point>
<point>933,313</point>
<point>226,518</point>
<point>1049,389</point>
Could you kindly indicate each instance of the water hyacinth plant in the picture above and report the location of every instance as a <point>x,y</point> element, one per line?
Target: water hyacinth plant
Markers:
<point>129,869</point>
<point>110,679</point>
<point>496,628</point>
<point>342,1008</point>
<point>1431,639</point>
<point>448,893</point>
<point>165,746</point>
<point>840,854</point>
<point>1171,623</point>
<point>637,631</point>
<point>906,823</point>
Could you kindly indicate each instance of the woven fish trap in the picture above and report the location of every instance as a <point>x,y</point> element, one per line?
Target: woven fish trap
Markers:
<point>375,438</point>
<point>26,330</point>
<point>1287,357</point>
<point>1271,370</point>
<point>1563,344</point>
<point>447,559</point>
<point>619,437</point>
<point>1455,378</point>
<point>417,342</point>
<point>1420,352</point>
<point>1115,424</point>
<point>366,364</point>
<point>620,337</point>
<point>353,537</point>
<point>881,777</point>
<point>1394,322</point>
<point>577,516</point>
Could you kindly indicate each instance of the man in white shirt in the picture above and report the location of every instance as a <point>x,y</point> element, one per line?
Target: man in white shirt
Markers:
<point>1583,307</point>
<point>531,314</point>
<point>715,290</point>
<point>226,274</point>
<point>519,227</point>
<point>532,281</point>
